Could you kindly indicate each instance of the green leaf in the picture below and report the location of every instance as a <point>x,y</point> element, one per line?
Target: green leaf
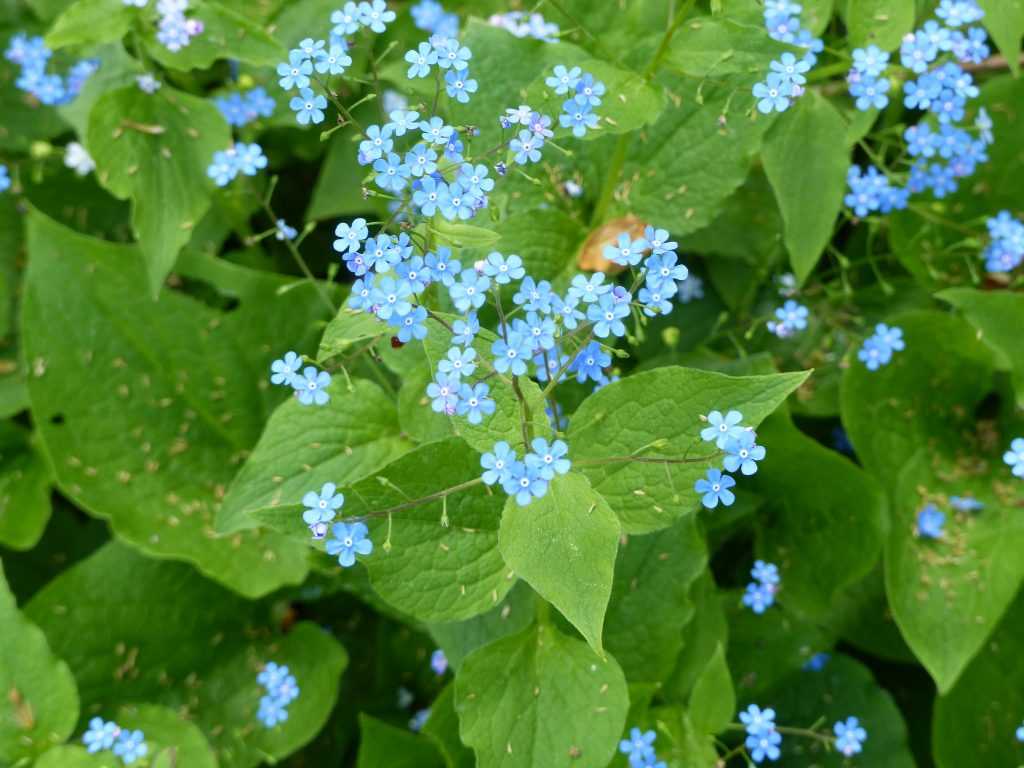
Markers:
<point>39,706</point>
<point>146,423</point>
<point>998,316</point>
<point>878,22</point>
<point>197,650</point>
<point>823,536</point>
<point>688,190</point>
<point>443,564</point>
<point>335,194</point>
<point>155,149</point>
<point>1004,20</point>
<point>715,47</point>
<point>304,447</point>
<point>462,235</point>
<point>512,615</point>
<point>77,757</point>
<point>564,546</point>
<point>920,398</point>
<point>808,185</point>
<point>24,489</point>
<point>843,688</point>
<point>226,34</point>
<point>385,746</point>
<point>91,21</point>
<point>442,728</point>
<point>972,567</point>
<point>657,413</point>
<point>540,696</point>
<point>764,649</point>
<point>347,328</point>
<point>713,702</point>
<point>546,240</point>
<point>168,734</point>
<point>649,604</point>
<point>702,635</point>
<point>975,721</point>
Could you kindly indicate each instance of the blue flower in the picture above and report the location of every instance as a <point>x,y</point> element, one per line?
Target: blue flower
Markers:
<point>346,21</point>
<point>764,746</point>
<point>271,712</point>
<point>524,483</point>
<point>443,392</point>
<point>131,746</point>
<point>470,291</point>
<point>475,402</point>
<point>870,61</point>
<point>791,317</point>
<point>349,540</point>
<point>540,330</point>
<point>377,142</point>
<point>639,747</point>
<point>757,720</point>
<point>1019,733</point>
<point>773,94</point>
<point>465,330</point>
<point>967,503</point>
<point>295,73</point>
<point>664,267</point>
<point>817,662</point>
<point>765,574</point>
<point>459,85</point>
<point>473,178</point>
<point>497,463</point>
<point>870,93</point>
<point>930,520</point>
<point>249,158</point>
<point>350,236</point>
<point>534,297</point>
<point>283,231</point>
<point>850,736</point>
<point>313,49</point>
<point>454,202</point>
<point>714,488</point>
<point>392,173</point>
<point>590,362</point>
<point>100,735</point>
<point>791,69</point>
<point>285,369</point>
<point>308,107</point>
<point>589,289</point>
<point>878,349</point>
<point>627,252</point>
<point>917,52</point>
<point>435,131</point>
<point>567,311</point>
<point>606,315</point>
<point>655,297</point>
<point>375,15</point>
<point>758,597</point>
<point>511,355</point>
<point>5,179</point>
<point>452,55</point>
<point>413,325</point>
<point>743,453</point>
<point>311,386</point>
<point>459,362</point>
<point>722,428</point>
<point>564,80</point>
<point>590,89</point>
<point>420,61</point>
<point>321,507</point>
<point>1014,458</point>
<point>392,297</point>
<point>578,114</point>
<point>503,269</point>
<point>439,662</point>
<point>547,458</point>
<point>526,147</point>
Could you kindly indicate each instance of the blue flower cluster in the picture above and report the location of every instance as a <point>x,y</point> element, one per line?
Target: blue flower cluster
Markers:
<point>943,150</point>
<point>297,73</point>
<point>240,109</point>
<point>1006,251</point>
<point>763,740</point>
<point>310,385</point>
<point>639,749</point>
<point>32,57</point>
<point>760,593</point>
<point>526,25</point>
<point>878,348</point>
<point>430,16</point>
<point>5,178</point>
<point>930,520</point>
<point>578,110</point>
<point>528,479</point>
<point>281,690</point>
<point>742,453</point>
<point>242,158</point>
<point>174,29</point>
<point>850,736</point>
<point>790,318</point>
<point>347,539</point>
<point>1014,458</point>
<point>788,74</point>
<point>103,735</point>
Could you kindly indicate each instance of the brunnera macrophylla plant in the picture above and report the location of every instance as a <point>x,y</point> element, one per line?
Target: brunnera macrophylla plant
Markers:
<point>457,384</point>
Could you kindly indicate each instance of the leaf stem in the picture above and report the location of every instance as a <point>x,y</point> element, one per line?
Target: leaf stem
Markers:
<point>412,503</point>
